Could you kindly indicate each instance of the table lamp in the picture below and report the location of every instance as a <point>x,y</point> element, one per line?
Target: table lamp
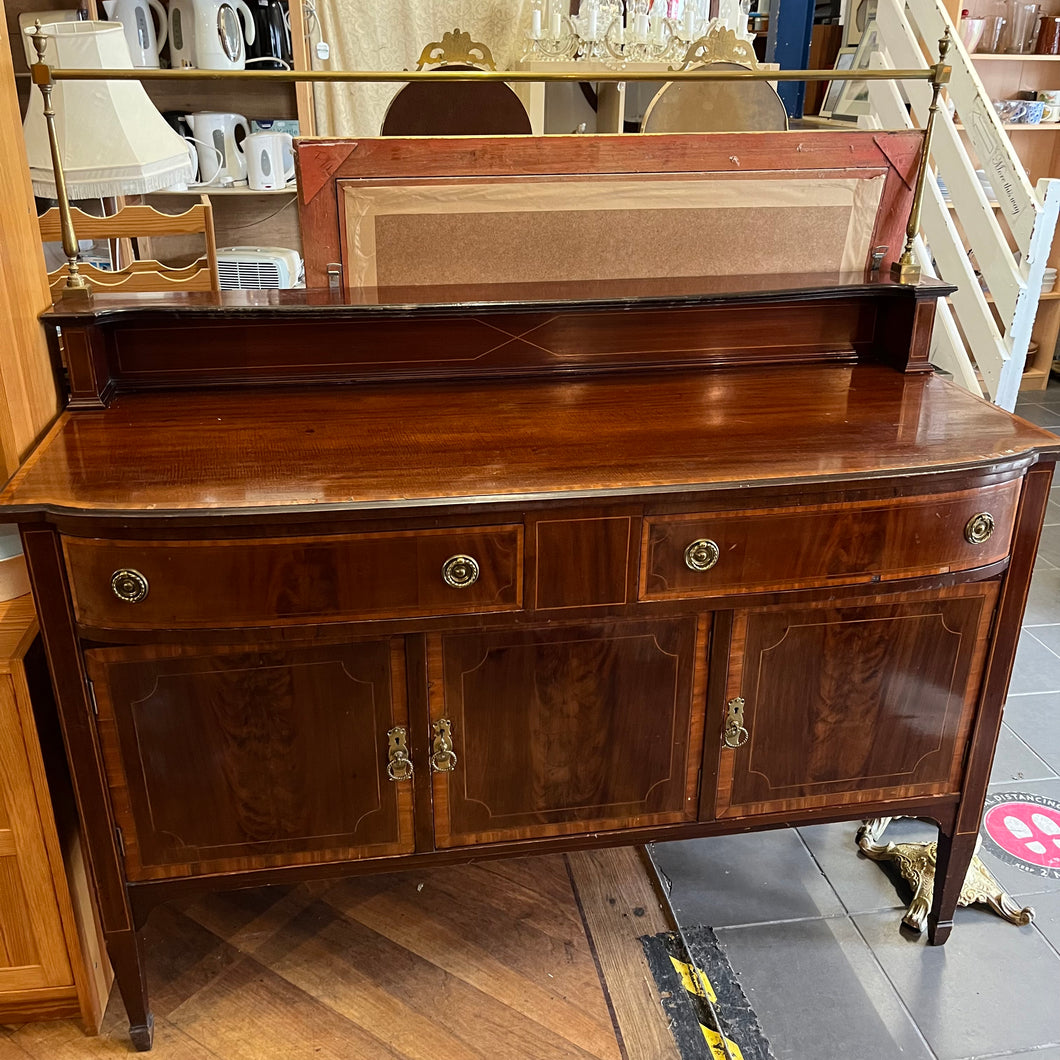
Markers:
<point>89,139</point>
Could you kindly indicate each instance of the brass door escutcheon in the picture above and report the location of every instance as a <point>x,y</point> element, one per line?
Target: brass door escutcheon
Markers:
<point>129,586</point>
<point>979,528</point>
<point>460,571</point>
<point>735,735</point>
<point>399,765</point>
<point>702,554</point>
<point>443,760</point>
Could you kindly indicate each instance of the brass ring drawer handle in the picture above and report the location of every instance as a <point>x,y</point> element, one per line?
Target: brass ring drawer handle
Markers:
<point>735,735</point>
<point>443,757</point>
<point>979,528</point>
<point>460,572</point>
<point>702,554</point>
<point>129,586</point>
<point>398,765</point>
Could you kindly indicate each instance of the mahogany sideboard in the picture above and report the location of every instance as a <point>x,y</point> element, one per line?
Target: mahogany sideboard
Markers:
<point>336,586</point>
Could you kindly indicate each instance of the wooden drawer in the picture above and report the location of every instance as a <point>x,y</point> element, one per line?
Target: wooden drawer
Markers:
<point>843,544</point>
<point>278,581</point>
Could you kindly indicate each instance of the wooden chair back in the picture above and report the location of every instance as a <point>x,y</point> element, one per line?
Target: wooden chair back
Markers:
<point>717,106</point>
<point>457,108</point>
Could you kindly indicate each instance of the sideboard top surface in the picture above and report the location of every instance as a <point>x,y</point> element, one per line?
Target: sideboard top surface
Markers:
<point>317,304</point>
<point>387,447</point>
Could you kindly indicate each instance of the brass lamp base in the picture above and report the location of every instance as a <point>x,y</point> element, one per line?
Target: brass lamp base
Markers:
<point>916,862</point>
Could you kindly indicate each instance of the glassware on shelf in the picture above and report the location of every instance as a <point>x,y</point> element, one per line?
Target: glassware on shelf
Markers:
<point>1023,23</point>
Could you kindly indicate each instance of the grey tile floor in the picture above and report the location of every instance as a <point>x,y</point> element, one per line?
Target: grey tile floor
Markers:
<point>811,928</point>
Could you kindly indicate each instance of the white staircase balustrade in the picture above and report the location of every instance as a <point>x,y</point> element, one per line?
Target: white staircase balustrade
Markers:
<point>999,351</point>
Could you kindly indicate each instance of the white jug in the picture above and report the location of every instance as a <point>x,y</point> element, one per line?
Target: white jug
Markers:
<point>139,27</point>
<point>270,160</point>
<point>219,139</point>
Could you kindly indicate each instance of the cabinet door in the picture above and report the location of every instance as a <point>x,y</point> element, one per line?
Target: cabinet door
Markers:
<point>220,760</point>
<point>564,730</point>
<point>855,703</point>
<point>33,953</point>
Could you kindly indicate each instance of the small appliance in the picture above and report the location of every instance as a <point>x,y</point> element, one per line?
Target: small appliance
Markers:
<point>271,47</point>
<point>207,34</point>
<point>135,18</point>
<point>259,268</point>
<point>219,138</point>
<point>270,160</point>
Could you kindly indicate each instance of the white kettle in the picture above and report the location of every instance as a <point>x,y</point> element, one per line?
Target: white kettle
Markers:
<point>207,34</point>
<point>219,139</point>
<point>139,27</point>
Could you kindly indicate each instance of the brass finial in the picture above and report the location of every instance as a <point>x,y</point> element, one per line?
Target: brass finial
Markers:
<point>905,269</point>
<point>40,40</point>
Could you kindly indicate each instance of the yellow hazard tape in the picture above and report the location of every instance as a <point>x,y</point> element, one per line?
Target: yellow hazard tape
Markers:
<point>714,1041</point>
<point>700,985</point>
<point>696,983</point>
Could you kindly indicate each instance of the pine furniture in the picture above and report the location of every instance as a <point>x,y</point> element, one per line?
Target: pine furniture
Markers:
<point>51,960</point>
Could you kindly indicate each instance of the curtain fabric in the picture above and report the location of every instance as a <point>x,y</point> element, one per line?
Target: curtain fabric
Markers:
<point>387,36</point>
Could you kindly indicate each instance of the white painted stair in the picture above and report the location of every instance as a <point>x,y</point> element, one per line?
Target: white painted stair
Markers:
<point>981,354</point>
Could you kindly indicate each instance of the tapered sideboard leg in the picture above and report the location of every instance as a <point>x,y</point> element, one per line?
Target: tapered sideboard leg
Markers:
<point>951,868</point>
<point>123,947</point>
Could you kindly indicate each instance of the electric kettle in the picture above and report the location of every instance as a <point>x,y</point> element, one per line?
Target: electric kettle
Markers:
<point>271,48</point>
<point>207,34</point>
<point>139,27</point>
<point>218,138</point>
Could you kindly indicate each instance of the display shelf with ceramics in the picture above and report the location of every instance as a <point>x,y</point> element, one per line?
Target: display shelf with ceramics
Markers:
<point>216,119</point>
<point>1023,84</point>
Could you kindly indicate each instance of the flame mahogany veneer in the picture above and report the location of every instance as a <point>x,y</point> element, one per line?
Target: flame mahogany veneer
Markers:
<point>234,727</point>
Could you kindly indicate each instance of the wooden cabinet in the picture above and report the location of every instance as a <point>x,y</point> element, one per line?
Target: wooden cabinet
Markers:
<point>569,730</point>
<point>866,701</point>
<point>509,614</point>
<point>51,964</point>
<point>242,758</point>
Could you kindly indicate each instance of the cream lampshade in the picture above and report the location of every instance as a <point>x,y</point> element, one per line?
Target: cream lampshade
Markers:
<point>110,137</point>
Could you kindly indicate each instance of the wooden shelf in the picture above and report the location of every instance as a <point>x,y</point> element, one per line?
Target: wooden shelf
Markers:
<point>291,189</point>
<point>1025,58</point>
<point>1023,126</point>
<point>1048,296</point>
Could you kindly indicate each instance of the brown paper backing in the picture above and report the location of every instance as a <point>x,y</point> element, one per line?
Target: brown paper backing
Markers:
<point>511,231</point>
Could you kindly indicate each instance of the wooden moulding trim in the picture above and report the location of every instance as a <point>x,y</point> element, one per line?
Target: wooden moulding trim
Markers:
<point>49,1003</point>
<point>144,895</point>
<point>127,347</point>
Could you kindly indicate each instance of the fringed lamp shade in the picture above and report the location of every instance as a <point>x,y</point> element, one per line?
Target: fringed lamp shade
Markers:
<point>112,140</point>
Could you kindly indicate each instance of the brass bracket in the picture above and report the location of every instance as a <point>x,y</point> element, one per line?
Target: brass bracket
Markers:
<point>916,863</point>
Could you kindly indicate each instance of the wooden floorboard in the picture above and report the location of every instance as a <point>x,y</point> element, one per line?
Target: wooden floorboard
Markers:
<point>619,905</point>
<point>528,959</point>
